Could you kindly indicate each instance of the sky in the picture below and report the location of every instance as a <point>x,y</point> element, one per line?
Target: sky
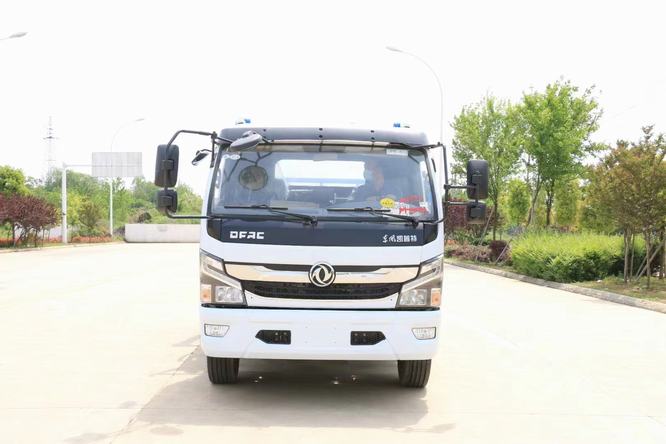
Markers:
<point>95,67</point>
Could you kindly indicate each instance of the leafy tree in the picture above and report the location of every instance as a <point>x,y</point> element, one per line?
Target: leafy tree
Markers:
<point>557,124</point>
<point>631,182</point>
<point>144,192</point>
<point>122,203</point>
<point>567,199</point>
<point>487,131</point>
<point>90,214</point>
<point>12,181</point>
<point>28,216</point>
<point>188,201</point>
<point>518,201</point>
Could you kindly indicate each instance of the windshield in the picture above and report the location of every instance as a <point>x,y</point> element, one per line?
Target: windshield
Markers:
<point>312,179</point>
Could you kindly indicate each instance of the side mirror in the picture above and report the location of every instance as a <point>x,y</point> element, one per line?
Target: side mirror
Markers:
<point>166,166</point>
<point>476,213</point>
<point>199,156</point>
<point>477,179</point>
<point>167,200</point>
<point>248,140</point>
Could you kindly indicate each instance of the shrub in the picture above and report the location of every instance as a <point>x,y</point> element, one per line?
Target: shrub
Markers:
<point>90,239</point>
<point>468,252</point>
<point>570,257</point>
<point>496,248</point>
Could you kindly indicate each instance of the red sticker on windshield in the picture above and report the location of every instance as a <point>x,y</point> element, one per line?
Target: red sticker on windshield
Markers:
<point>408,210</point>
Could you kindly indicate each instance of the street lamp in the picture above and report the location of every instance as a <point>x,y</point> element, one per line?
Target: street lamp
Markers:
<point>16,35</point>
<point>439,84</point>
<point>120,128</point>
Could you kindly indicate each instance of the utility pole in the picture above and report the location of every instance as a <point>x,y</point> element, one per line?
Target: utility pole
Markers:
<point>63,227</point>
<point>50,155</point>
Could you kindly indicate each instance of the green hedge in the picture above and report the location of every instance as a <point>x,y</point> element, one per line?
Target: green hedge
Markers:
<point>570,257</point>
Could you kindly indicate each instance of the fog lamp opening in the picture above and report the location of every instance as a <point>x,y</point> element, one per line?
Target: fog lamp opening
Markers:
<point>424,332</point>
<point>215,330</point>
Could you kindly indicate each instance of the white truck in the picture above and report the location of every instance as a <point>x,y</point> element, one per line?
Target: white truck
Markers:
<point>320,243</point>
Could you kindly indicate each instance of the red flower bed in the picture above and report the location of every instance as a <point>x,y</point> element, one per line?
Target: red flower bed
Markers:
<point>90,239</point>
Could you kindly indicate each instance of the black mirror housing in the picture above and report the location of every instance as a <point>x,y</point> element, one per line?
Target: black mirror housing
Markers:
<point>199,156</point>
<point>477,179</point>
<point>248,140</point>
<point>476,213</point>
<point>167,200</point>
<point>166,166</point>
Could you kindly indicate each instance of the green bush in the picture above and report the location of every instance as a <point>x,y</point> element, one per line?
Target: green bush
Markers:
<point>570,257</point>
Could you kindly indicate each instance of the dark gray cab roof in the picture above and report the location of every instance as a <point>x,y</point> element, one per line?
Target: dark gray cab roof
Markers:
<point>393,136</point>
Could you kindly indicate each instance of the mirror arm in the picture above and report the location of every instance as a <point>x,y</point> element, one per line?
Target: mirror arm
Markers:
<point>448,187</point>
<point>171,215</point>
<point>214,139</point>
<point>212,135</point>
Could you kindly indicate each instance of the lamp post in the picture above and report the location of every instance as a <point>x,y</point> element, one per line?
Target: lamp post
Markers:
<point>439,84</point>
<point>16,35</point>
<point>120,128</point>
<point>441,105</point>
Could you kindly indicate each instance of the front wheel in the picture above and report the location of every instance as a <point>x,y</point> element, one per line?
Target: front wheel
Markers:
<point>222,370</point>
<point>414,373</point>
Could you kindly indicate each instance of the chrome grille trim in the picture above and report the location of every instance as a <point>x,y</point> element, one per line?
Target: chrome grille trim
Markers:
<point>255,272</point>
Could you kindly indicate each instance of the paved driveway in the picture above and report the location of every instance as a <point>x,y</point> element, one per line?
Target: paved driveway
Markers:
<point>99,344</point>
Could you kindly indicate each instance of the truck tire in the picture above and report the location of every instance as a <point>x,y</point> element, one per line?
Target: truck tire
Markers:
<point>414,373</point>
<point>222,370</point>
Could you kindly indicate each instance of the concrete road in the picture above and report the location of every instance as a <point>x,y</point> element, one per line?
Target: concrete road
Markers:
<point>99,344</point>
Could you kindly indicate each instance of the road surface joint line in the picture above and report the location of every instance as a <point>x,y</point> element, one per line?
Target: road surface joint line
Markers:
<point>145,406</point>
<point>657,421</point>
<point>599,294</point>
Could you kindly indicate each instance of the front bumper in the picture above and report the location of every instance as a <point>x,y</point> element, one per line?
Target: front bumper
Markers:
<point>319,334</point>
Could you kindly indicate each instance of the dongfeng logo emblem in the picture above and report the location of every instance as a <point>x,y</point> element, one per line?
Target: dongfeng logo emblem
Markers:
<point>322,274</point>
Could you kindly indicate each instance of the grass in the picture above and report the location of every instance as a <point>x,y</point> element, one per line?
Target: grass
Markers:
<point>613,284</point>
<point>639,289</point>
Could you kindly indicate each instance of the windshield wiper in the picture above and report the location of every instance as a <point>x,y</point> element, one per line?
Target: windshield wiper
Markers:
<point>379,212</point>
<point>277,210</point>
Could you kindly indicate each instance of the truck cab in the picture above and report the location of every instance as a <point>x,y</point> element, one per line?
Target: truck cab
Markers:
<point>318,243</point>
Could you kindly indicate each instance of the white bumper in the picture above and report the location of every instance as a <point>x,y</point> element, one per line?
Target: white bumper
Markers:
<point>319,334</point>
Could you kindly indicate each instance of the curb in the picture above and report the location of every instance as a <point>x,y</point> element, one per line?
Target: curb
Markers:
<point>26,250</point>
<point>599,294</point>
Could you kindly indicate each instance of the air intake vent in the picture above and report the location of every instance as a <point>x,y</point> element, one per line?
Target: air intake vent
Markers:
<point>274,336</point>
<point>292,290</point>
<point>366,337</point>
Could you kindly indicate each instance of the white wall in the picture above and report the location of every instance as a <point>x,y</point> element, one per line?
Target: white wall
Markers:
<point>162,232</point>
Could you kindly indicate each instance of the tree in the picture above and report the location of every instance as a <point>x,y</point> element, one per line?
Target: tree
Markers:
<point>487,131</point>
<point>12,181</point>
<point>557,124</point>
<point>188,201</point>
<point>631,182</point>
<point>518,201</point>
<point>144,192</point>
<point>567,198</point>
<point>28,215</point>
<point>90,214</point>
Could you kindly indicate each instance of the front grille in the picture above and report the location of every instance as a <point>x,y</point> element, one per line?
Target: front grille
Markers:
<point>292,290</point>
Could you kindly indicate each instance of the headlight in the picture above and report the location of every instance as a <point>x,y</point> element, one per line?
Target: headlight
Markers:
<point>426,290</point>
<point>216,286</point>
